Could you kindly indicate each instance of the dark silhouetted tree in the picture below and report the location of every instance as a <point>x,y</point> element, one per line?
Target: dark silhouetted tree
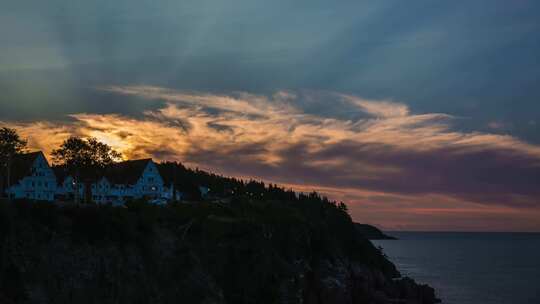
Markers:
<point>343,207</point>
<point>11,144</point>
<point>83,158</point>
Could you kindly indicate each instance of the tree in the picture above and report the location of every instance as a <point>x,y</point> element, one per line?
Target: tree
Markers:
<point>343,207</point>
<point>83,158</point>
<point>11,144</point>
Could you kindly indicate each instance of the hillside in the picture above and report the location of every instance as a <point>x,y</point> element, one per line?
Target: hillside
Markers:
<point>372,233</point>
<point>246,252</point>
<point>265,245</point>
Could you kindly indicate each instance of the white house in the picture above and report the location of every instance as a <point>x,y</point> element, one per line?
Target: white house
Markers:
<point>101,191</point>
<point>66,186</point>
<point>32,177</point>
<point>133,179</point>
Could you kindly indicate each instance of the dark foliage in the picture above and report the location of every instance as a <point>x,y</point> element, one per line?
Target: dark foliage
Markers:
<point>372,232</point>
<point>188,180</point>
<point>11,145</point>
<point>247,247</point>
<point>84,159</point>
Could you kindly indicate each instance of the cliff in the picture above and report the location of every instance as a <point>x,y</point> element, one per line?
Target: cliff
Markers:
<point>372,233</point>
<point>245,252</point>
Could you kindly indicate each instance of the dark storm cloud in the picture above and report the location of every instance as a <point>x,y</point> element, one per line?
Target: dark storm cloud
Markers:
<point>484,175</point>
<point>487,177</point>
<point>466,58</point>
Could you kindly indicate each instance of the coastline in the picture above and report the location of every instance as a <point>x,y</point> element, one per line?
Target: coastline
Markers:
<point>373,233</point>
<point>462,266</point>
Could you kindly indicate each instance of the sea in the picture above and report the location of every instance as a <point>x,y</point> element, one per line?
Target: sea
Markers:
<point>470,267</point>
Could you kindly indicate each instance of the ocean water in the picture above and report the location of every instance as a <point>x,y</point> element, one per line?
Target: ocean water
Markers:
<point>471,268</point>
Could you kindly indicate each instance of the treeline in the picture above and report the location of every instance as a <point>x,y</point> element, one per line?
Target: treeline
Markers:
<point>85,159</point>
<point>188,181</point>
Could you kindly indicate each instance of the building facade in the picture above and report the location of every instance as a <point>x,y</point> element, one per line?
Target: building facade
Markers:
<point>121,182</point>
<point>133,179</point>
<point>32,178</point>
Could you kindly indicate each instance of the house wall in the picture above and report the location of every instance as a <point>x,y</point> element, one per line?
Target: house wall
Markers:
<point>67,189</point>
<point>101,191</point>
<point>150,184</point>
<point>40,185</point>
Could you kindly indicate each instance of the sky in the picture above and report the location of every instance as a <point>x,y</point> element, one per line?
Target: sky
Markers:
<point>419,114</point>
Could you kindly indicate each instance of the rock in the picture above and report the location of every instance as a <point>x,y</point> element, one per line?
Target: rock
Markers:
<point>372,233</point>
<point>341,282</point>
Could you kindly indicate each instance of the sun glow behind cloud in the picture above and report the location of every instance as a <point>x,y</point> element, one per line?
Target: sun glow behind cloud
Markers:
<point>390,165</point>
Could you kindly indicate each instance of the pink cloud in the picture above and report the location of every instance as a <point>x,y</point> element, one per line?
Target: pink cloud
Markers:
<point>393,167</point>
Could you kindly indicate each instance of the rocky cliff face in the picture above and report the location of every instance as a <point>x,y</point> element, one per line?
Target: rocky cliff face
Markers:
<point>344,283</point>
<point>60,271</point>
<point>55,257</point>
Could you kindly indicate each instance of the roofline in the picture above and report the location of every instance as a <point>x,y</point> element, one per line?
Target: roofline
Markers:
<point>35,152</point>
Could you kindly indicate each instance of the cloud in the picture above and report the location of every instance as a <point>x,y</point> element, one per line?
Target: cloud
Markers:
<point>499,126</point>
<point>383,109</point>
<point>389,150</point>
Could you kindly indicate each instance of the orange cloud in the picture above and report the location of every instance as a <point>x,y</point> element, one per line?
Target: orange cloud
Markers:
<point>387,156</point>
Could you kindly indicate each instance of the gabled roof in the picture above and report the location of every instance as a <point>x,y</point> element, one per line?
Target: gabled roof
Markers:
<point>167,174</point>
<point>127,172</point>
<point>21,165</point>
<point>61,174</point>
